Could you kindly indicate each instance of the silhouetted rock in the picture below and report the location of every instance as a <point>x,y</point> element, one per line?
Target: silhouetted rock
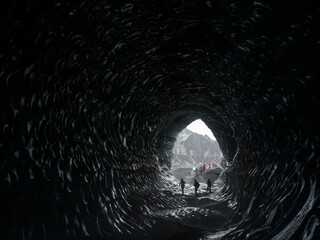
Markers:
<point>212,174</point>
<point>181,172</point>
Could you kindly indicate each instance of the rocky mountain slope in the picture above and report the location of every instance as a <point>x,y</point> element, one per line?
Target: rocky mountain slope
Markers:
<point>192,148</point>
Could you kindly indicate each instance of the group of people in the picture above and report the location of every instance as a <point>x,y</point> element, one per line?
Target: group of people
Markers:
<point>201,168</point>
<point>198,170</point>
<point>196,185</point>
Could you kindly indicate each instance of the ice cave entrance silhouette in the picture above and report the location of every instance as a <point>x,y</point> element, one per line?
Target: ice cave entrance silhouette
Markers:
<point>195,151</point>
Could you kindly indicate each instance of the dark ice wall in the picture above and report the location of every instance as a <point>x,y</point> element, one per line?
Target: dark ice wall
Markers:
<point>94,93</point>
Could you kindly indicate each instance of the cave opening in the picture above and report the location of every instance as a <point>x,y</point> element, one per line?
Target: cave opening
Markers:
<point>196,155</point>
<point>205,123</point>
<point>187,141</point>
<point>195,150</point>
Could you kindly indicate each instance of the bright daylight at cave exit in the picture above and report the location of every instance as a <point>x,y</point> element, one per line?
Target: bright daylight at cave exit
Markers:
<point>195,148</point>
<point>198,126</point>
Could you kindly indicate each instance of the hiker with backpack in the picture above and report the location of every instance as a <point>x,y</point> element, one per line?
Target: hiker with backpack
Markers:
<point>182,184</point>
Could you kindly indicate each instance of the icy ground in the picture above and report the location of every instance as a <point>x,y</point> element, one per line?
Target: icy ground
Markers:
<point>205,214</point>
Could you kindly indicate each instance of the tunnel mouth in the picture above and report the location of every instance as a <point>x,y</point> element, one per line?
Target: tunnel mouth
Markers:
<point>195,147</point>
<point>204,205</point>
<point>221,129</point>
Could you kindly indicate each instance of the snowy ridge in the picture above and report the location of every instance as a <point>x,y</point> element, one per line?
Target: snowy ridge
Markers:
<point>192,148</point>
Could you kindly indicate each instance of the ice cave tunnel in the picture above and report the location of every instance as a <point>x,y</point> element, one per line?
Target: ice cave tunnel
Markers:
<point>93,92</point>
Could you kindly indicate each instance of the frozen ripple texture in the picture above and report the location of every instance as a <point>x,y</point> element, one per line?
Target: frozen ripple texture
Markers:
<point>93,94</point>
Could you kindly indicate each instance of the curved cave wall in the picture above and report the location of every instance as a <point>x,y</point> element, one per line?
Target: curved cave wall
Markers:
<point>92,94</point>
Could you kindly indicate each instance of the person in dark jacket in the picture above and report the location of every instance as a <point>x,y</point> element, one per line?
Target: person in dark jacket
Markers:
<point>209,185</point>
<point>182,184</point>
<point>196,186</point>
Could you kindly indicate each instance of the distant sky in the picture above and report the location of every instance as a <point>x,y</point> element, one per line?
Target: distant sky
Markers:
<point>200,127</point>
